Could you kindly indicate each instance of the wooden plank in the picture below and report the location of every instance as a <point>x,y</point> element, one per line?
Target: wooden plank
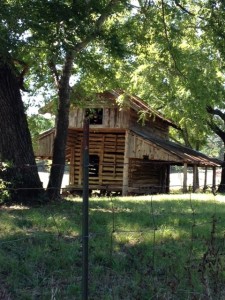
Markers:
<point>126,165</point>
<point>101,154</point>
<point>214,179</point>
<point>195,170</point>
<point>185,178</point>
<point>205,179</point>
<point>71,173</point>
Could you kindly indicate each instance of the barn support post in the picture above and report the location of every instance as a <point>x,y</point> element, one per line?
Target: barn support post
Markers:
<point>205,179</point>
<point>85,221</point>
<point>126,165</point>
<point>185,178</point>
<point>167,189</point>
<point>71,179</point>
<point>214,180</point>
<point>195,176</point>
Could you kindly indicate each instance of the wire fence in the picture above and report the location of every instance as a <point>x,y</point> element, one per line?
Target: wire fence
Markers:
<point>140,247</point>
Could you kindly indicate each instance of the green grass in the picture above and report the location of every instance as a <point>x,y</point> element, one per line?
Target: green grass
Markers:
<point>159,247</point>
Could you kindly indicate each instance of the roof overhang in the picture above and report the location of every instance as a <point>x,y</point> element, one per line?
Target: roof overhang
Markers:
<point>182,153</point>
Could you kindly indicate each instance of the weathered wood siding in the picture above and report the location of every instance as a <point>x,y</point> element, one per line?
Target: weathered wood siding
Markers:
<point>139,147</point>
<point>112,118</point>
<point>45,144</point>
<point>147,177</point>
<point>153,124</point>
<point>109,147</point>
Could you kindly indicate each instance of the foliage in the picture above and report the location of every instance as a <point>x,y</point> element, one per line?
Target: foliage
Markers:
<point>16,185</point>
<point>178,70</point>
<point>53,42</point>
<point>8,182</point>
<point>4,193</point>
<point>161,247</point>
<point>214,147</point>
<point>171,63</point>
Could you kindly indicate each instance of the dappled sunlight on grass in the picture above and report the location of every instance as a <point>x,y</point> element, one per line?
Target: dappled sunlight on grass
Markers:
<point>139,248</point>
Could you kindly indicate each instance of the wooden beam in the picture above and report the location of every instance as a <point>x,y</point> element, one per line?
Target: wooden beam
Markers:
<point>195,176</point>
<point>205,179</point>
<point>72,171</point>
<point>101,159</point>
<point>185,178</point>
<point>126,165</point>
<point>167,178</point>
<point>214,180</point>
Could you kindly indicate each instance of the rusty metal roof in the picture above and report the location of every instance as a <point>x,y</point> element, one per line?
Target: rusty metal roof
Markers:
<point>186,155</point>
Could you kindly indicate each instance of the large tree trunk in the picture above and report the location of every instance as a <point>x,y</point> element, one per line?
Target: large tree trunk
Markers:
<point>59,149</point>
<point>221,188</point>
<point>221,133</point>
<point>15,142</point>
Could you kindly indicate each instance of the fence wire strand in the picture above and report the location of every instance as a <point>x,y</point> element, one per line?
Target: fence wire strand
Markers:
<point>140,247</point>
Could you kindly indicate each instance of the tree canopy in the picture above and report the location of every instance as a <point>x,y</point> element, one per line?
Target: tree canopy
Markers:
<point>51,39</point>
<point>171,53</point>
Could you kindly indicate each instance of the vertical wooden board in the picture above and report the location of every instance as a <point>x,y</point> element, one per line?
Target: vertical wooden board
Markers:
<point>72,119</point>
<point>214,179</point>
<point>101,161</point>
<point>185,178</point>
<point>205,178</point>
<point>126,165</point>
<point>133,146</point>
<point>195,171</point>
<point>145,176</point>
<point>123,118</point>
<point>71,173</point>
<point>112,118</point>
<point>139,148</point>
<point>80,117</point>
<point>167,179</point>
<point>116,117</point>
<point>106,117</point>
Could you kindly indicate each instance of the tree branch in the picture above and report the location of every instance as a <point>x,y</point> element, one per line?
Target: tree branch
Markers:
<point>52,67</point>
<point>168,40</point>
<point>217,130</point>
<point>183,8</point>
<point>98,24</point>
<point>67,70</point>
<point>20,76</point>
<point>187,11</point>
<point>215,112</point>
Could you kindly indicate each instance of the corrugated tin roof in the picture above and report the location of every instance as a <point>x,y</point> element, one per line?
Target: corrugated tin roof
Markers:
<point>186,154</point>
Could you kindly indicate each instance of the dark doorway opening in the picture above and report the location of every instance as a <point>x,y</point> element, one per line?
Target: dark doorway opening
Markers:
<point>93,165</point>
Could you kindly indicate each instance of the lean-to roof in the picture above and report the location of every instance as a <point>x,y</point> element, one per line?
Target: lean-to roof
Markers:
<point>185,154</point>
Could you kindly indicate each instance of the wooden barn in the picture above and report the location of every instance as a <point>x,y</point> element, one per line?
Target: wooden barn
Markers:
<point>126,155</point>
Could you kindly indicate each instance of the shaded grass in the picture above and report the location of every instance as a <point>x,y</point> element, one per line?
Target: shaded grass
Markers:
<point>159,247</point>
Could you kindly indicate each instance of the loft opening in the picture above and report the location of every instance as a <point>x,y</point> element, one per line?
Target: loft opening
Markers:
<point>95,115</point>
<point>93,165</point>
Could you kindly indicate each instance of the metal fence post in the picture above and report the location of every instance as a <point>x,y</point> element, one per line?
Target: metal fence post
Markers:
<point>85,230</point>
